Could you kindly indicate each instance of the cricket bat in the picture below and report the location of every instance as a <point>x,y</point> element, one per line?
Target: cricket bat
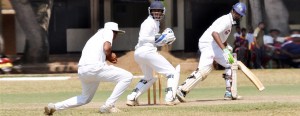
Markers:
<point>251,76</point>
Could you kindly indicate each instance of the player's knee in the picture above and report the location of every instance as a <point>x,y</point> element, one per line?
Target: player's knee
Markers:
<point>128,77</point>
<point>171,73</point>
<point>84,100</point>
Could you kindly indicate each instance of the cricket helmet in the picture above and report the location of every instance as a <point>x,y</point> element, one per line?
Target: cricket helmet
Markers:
<point>156,5</point>
<point>240,8</point>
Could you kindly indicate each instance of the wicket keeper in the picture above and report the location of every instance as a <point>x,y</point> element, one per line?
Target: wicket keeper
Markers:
<point>150,60</point>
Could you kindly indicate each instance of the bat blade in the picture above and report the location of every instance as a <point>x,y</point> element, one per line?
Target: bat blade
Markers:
<point>234,68</point>
<point>234,91</point>
<point>251,76</point>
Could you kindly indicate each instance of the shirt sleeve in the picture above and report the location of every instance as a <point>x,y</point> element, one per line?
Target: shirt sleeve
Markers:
<point>147,32</point>
<point>219,25</point>
<point>108,35</point>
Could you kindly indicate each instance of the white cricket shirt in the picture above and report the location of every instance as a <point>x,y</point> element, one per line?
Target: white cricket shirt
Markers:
<point>93,52</point>
<point>222,25</point>
<point>149,28</point>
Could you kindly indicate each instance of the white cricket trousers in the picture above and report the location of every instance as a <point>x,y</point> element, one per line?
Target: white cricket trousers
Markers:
<point>211,52</point>
<point>148,59</point>
<point>90,78</point>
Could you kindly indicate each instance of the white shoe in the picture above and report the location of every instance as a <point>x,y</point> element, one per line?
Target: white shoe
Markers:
<point>109,109</point>
<point>172,103</point>
<point>50,109</point>
<point>132,103</point>
<point>228,96</point>
<point>237,98</point>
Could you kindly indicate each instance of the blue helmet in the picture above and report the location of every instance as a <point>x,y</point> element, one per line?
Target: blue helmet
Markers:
<point>240,8</point>
<point>156,5</point>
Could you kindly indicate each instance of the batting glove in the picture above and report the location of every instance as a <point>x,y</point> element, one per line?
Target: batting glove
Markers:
<point>228,56</point>
<point>229,48</point>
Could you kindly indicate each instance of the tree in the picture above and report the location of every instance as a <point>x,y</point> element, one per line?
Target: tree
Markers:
<point>277,15</point>
<point>256,12</point>
<point>273,12</point>
<point>1,38</point>
<point>33,17</point>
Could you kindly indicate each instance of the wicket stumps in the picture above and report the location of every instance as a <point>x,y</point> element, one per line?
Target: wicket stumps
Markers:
<point>158,76</point>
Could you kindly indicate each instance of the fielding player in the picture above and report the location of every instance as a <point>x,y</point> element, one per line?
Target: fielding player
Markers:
<point>149,59</point>
<point>213,46</point>
<point>93,69</point>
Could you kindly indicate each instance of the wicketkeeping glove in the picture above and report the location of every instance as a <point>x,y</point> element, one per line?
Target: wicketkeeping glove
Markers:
<point>228,56</point>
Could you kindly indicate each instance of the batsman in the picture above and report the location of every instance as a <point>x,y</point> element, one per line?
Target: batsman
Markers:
<point>213,47</point>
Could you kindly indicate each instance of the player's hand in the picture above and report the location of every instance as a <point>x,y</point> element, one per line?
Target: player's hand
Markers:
<point>229,48</point>
<point>112,58</point>
<point>228,56</point>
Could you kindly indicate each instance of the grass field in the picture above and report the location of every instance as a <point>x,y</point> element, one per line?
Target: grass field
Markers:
<point>281,97</point>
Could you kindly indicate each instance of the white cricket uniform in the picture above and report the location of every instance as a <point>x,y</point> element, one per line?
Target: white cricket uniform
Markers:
<point>146,54</point>
<point>210,50</point>
<point>92,69</point>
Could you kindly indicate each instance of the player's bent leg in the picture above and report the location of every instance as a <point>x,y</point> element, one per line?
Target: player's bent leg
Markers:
<point>228,82</point>
<point>172,84</point>
<point>141,87</point>
<point>119,89</point>
<point>192,81</point>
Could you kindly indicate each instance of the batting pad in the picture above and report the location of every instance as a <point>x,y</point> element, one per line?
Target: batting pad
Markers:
<point>195,78</point>
<point>140,89</point>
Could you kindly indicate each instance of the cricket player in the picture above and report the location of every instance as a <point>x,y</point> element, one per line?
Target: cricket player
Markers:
<point>93,69</point>
<point>150,60</point>
<point>213,46</point>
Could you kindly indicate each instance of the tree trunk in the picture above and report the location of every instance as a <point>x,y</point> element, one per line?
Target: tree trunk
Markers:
<point>34,21</point>
<point>277,15</point>
<point>256,12</point>
<point>1,38</point>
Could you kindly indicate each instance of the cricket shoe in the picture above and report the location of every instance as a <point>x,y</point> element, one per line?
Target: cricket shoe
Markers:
<point>228,96</point>
<point>109,109</point>
<point>237,98</point>
<point>180,95</point>
<point>132,103</point>
<point>50,109</point>
<point>172,103</point>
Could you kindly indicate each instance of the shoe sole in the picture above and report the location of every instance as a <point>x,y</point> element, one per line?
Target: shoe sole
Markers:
<point>180,98</point>
<point>111,112</point>
<point>237,98</point>
<point>131,103</point>
<point>48,112</point>
<point>228,98</point>
<point>171,103</point>
<point>115,110</point>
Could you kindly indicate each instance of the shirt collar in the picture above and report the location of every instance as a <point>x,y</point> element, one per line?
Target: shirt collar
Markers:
<point>231,19</point>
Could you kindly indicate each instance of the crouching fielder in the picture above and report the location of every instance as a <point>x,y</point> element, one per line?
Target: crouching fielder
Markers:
<point>150,60</point>
<point>213,46</point>
<point>93,69</point>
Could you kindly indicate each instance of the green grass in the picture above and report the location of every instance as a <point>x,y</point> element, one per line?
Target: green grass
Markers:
<point>281,97</point>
